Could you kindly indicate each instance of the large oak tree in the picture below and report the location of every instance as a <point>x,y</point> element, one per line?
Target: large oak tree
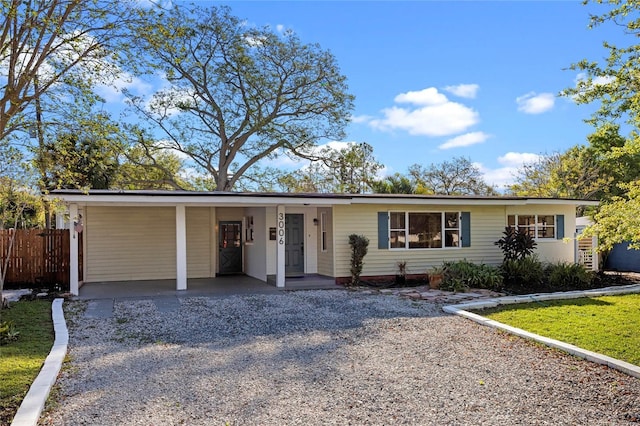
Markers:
<point>237,95</point>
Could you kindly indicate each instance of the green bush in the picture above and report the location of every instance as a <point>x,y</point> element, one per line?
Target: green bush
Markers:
<point>359,248</point>
<point>516,244</point>
<point>569,276</point>
<point>526,274</point>
<point>8,332</point>
<point>462,275</point>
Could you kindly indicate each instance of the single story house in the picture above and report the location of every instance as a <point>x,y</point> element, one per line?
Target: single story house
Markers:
<point>151,235</point>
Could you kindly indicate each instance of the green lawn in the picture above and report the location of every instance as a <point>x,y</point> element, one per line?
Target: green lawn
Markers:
<point>609,325</point>
<point>21,360</point>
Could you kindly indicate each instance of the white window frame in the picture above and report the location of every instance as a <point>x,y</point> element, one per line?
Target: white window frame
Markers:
<point>536,225</point>
<point>443,230</point>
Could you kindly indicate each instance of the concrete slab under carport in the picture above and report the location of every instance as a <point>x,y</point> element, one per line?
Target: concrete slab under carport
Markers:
<point>196,287</point>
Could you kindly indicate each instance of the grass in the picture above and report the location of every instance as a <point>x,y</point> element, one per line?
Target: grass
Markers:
<point>21,360</point>
<point>609,325</point>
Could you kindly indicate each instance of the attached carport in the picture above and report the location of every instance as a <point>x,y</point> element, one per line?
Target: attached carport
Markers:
<point>151,236</point>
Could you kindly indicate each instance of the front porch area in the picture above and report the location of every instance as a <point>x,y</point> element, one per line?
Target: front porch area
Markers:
<point>200,287</point>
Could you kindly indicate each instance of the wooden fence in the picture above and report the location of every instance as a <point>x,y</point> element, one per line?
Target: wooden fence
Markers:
<point>38,257</point>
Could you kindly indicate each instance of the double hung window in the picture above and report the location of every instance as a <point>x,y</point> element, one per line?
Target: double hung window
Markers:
<point>537,226</point>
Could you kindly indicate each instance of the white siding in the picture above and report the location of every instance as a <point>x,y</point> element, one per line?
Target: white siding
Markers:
<point>130,243</point>
<point>487,224</point>
<point>198,242</point>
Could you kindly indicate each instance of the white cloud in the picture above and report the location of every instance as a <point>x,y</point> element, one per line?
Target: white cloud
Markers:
<point>500,178</point>
<point>432,114</point>
<point>468,91</point>
<point>511,162</point>
<point>517,159</point>
<point>533,103</point>
<point>439,120</point>
<point>428,96</point>
<point>280,28</point>
<point>467,139</point>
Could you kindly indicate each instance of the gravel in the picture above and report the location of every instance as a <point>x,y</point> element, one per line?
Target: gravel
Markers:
<point>322,358</point>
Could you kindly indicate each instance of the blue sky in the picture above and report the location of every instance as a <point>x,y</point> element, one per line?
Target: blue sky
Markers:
<point>437,80</point>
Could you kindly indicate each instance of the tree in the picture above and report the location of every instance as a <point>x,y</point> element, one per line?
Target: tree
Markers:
<point>75,162</point>
<point>456,177</point>
<point>147,167</point>
<point>145,163</point>
<point>347,170</point>
<point>576,173</point>
<point>617,220</point>
<point>351,170</point>
<point>582,172</point>
<point>613,85</point>
<point>238,95</point>
<point>394,184</point>
<point>53,46</point>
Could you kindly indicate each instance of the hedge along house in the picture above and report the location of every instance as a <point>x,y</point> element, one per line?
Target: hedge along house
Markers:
<point>153,235</point>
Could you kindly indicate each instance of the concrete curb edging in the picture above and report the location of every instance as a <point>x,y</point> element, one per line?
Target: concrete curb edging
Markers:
<point>33,403</point>
<point>625,367</point>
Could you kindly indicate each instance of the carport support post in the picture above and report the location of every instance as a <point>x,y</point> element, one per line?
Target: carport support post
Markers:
<point>181,248</point>
<point>280,240</point>
<point>73,249</point>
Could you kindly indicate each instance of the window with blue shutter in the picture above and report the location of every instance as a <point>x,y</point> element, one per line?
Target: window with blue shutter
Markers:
<point>402,230</point>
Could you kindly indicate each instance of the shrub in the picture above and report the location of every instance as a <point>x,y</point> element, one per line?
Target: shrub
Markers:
<point>8,332</point>
<point>462,274</point>
<point>516,244</point>
<point>526,274</point>
<point>359,247</point>
<point>569,276</point>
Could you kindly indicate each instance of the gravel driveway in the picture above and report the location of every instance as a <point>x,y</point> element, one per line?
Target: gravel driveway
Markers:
<point>322,358</point>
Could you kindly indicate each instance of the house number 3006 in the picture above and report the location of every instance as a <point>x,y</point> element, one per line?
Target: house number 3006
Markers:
<point>280,228</point>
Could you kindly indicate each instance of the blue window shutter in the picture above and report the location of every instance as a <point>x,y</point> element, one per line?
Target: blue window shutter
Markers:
<point>383,230</point>
<point>466,229</point>
<point>560,226</point>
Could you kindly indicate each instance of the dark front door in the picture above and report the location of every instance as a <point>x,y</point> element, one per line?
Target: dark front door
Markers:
<point>294,245</point>
<point>230,243</point>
